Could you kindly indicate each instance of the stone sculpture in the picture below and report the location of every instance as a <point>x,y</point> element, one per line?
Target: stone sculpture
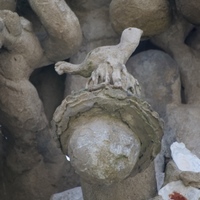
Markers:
<point>108,135</point>
<point>34,34</point>
<point>21,110</point>
<point>107,64</point>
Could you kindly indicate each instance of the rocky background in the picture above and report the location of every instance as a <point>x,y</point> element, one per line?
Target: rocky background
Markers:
<point>166,64</point>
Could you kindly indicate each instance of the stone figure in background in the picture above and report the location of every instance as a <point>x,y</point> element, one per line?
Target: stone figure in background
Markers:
<point>184,115</point>
<point>181,41</point>
<point>21,111</point>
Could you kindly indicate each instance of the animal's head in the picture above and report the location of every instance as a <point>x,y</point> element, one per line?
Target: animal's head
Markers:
<point>131,35</point>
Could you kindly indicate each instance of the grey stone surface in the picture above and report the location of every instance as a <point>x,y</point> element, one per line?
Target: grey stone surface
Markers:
<point>184,158</point>
<point>190,10</point>
<point>72,194</point>
<point>88,4</point>
<point>157,198</point>
<point>158,76</point>
<point>50,94</point>
<point>176,189</point>
<point>82,103</point>
<point>34,157</point>
<point>8,5</point>
<point>153,17</point>
<point>142,186</point>
<point>190,179</point>
<point>193,39</point>
<point>103,150</point>
<point>181,119</point>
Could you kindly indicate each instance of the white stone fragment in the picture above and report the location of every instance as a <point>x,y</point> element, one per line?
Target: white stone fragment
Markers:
<point>72,194</point>
<point>184,158</point>
<point>190,193</point>
<point>68,158</point>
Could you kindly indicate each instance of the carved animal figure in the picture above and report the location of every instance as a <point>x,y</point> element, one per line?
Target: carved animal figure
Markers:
<point>107,63</point>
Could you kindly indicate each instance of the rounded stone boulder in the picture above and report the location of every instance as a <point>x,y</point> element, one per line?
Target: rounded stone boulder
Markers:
<point>190,10</point>
<point>8,5</point>
<point>107,134</point>
<point>152,16</point>
<point>88,4</point>
<point>103,149</point>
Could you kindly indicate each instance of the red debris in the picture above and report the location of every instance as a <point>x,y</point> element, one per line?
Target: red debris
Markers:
<point>176,196</point>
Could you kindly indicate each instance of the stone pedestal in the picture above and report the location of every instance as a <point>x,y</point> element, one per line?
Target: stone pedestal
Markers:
<point>108,136</point>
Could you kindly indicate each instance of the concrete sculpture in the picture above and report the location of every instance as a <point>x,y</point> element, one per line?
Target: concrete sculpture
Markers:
<point>36,34</point>
<point>21,53</point>
<point>108,132</point>
<point>107,64</point>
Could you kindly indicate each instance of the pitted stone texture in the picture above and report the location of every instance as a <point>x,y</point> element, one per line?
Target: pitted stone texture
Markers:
<point>103,150</point>
<point>190,10</point>
<point>131,110</point>
<point>72,194</point>
<point>153,17</point>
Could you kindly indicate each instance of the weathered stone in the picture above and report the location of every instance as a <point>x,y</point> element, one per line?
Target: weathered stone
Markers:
<point>72,194</point>
<point>176,190</point>
<point>140,187</point>
<point>97,31</point>
<point>190,10</point>
<point>158,76</point>
<point>106,65</point>
<point>50,94</point>
<point>184,159</point>
<point>190,179</point>
<point>34,165</point>
<point>157,198</point>
<point>65,31</point>
<point>153,17</point>
<point>8,5</point>
<point>180,119</point>
<point>122,107</point>
<point>173,42</point>
<point>193,40</point>
<point>172,173</point>
<point>103,150</point>
<point>185,166</point>
<point>88,4</point>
